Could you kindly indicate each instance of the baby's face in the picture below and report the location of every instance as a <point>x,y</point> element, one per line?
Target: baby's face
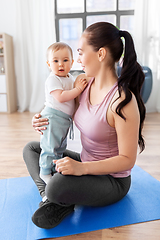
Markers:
<point>60,62</point>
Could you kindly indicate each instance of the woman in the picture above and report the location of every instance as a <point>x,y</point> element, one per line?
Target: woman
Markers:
<point>110,117</point>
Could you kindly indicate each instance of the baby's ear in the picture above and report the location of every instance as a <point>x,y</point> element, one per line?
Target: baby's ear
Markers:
<point>48,63</point>
<point>72,61</point>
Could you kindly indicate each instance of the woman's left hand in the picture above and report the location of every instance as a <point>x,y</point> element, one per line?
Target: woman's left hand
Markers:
<point>68,166</point>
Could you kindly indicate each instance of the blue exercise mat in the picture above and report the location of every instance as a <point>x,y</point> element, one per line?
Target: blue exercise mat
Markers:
<point>20,198</point>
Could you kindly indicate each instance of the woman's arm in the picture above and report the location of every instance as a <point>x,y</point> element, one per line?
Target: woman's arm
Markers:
<point>127,134</point>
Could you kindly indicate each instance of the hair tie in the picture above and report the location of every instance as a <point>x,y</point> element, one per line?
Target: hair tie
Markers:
<point>120,33</point>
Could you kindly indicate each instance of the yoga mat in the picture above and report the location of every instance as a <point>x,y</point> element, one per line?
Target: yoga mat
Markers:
<point>19,199</point>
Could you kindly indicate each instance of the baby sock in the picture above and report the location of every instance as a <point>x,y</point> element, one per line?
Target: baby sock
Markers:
<point>45,178</point>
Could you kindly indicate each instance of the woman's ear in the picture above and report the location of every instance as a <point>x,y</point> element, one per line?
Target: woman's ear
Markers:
<point>102,54</point>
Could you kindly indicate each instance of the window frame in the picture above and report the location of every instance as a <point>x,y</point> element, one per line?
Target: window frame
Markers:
<point>84,15</point>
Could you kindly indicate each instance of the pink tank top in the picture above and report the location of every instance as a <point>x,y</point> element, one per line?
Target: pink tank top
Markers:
<point>98,138</point>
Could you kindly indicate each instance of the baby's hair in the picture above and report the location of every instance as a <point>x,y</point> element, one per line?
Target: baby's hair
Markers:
<point>57,46</point>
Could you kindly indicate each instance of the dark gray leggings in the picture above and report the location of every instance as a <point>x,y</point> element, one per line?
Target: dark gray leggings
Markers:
<point>90,190</point>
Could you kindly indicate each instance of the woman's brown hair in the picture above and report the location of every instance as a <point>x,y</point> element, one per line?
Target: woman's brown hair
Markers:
<point>104,34</point>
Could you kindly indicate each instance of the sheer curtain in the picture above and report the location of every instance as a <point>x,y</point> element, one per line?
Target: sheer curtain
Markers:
<point>35,31</point>
<point>147,43</point>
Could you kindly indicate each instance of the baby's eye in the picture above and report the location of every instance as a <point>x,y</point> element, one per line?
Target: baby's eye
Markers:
<point>66,60</point>
<point>55,61</point>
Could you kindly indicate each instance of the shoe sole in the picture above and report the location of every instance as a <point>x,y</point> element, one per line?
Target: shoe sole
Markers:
<point>50,215</point>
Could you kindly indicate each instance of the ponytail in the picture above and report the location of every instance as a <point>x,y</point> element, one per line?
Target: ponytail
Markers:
<point>103,34</point>
<point>131,80</point>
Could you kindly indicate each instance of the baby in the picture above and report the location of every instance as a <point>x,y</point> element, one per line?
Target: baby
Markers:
<point>59,106</point>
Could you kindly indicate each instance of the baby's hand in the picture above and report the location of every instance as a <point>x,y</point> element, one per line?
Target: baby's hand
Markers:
<point>81,84</point>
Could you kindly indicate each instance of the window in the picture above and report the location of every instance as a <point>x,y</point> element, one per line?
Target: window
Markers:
<point>72,17</point>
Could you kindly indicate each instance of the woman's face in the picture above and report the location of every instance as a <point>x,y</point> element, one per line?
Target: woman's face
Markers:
<point>88,58</point>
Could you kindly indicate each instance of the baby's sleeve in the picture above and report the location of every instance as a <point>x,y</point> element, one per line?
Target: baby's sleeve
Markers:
<point>53,83</point>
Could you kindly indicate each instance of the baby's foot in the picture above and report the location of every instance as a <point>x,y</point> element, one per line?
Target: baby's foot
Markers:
<point>45,178</point>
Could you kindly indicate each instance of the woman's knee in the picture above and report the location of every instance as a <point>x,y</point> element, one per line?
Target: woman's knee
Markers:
<point>59,189</point>
<point>31,146</point>
<point>28,146</point>
<point>26,149</point>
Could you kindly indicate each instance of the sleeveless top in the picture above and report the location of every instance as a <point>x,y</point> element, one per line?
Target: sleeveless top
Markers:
<point>98,138</point>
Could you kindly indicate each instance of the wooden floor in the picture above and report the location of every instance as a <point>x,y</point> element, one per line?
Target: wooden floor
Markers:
<point>16,131</point>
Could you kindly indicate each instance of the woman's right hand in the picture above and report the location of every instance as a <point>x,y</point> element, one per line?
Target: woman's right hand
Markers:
<point>39,123</point>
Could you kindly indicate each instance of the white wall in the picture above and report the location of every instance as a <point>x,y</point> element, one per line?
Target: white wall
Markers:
<point>31,24</point>
<point>8,17</point>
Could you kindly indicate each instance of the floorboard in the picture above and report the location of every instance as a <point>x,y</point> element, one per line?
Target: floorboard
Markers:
<point>16,131</point>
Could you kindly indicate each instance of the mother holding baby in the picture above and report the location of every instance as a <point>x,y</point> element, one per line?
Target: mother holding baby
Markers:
<point>110,118</point>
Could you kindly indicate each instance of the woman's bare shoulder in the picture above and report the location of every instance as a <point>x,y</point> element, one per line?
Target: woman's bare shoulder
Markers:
<point>82,75</point>
<point>128,110</point>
